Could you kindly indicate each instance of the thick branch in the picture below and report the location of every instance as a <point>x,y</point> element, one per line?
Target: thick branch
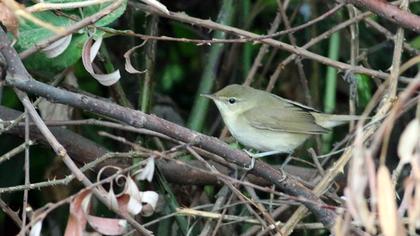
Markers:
<point>83,150</point>
<point>138,119</point>
<point>392,13</point>
<point>20,79</point>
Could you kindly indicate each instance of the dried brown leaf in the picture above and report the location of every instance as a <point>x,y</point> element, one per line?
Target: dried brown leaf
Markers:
<point>128,66</point>
<point>108,226</point>
<point>9,19</point>
<point>76,223</point>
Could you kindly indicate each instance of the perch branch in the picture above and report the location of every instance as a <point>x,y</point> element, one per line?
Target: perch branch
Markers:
<point>288,184</point>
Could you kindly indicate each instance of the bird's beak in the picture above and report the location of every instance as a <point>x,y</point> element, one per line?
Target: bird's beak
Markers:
<point>211,96</point>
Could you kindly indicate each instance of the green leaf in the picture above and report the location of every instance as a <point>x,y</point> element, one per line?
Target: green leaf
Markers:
<point>415,43</point>
<point>88,11</point>
<point>50,66</point>
<point>172,73</point>
<point>364,89</point>
<point>31,34</point>
<point>60,1</point>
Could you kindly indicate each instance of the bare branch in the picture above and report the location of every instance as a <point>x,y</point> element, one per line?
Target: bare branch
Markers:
<point>399,16</point>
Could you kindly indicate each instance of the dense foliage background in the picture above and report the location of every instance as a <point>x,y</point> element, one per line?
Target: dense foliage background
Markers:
<point>195,58</point>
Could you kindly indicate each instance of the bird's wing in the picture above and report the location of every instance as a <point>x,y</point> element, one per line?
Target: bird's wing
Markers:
<point>283,117</point>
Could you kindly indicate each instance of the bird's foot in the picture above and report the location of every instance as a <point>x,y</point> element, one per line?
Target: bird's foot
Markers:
<point>254,156</point>
<point>252,164</point>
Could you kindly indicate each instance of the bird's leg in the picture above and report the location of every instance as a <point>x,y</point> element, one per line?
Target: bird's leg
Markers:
<point>258,155</point>
<point>252,155</point>
<point>288,159</point>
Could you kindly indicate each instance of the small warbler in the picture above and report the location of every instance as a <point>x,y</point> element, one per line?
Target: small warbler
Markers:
<point>269,123</point>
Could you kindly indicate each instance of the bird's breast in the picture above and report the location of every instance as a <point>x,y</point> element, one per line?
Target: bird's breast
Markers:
<point>260,139</point>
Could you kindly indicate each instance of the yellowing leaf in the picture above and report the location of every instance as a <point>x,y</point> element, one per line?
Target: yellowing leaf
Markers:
<point>409,141</point>
<point>387,207</point>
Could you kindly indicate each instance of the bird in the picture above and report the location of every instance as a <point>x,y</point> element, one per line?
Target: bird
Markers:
<point>269,123</point>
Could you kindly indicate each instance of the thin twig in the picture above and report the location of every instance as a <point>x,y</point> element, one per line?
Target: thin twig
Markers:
<point>218,205</point>
<point>297,51</point>
<point>375,25</point>
<point>274,77</point>
<point>45,6</point>
<point>15,151</point>
<point>354,53</point>
<point>11,213</point>
<point>393,79</point>
<point>263,50</point>
<point>301,72</point>
<point>238,193</point>
<point>27,175</point>
<point>18,119</point>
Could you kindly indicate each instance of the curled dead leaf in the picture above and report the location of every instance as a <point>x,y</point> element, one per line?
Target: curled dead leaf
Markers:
<point>149,200</point>
<point>128,66</point>
<point>89,52</point>
<point>58,47</point>
<point>134,205</point>
<point>140,202</point>
<point>148,171</point>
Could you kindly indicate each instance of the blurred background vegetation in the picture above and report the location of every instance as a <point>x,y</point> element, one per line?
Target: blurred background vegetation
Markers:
<point>179,71</point>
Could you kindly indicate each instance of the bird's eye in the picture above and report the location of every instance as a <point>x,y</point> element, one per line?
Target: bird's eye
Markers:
<point>232,100</point>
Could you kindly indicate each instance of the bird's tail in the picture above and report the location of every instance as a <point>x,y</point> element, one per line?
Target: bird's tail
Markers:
<point>330,120</point>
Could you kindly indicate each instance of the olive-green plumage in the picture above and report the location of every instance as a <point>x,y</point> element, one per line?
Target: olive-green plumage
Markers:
<point>269,123</point>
